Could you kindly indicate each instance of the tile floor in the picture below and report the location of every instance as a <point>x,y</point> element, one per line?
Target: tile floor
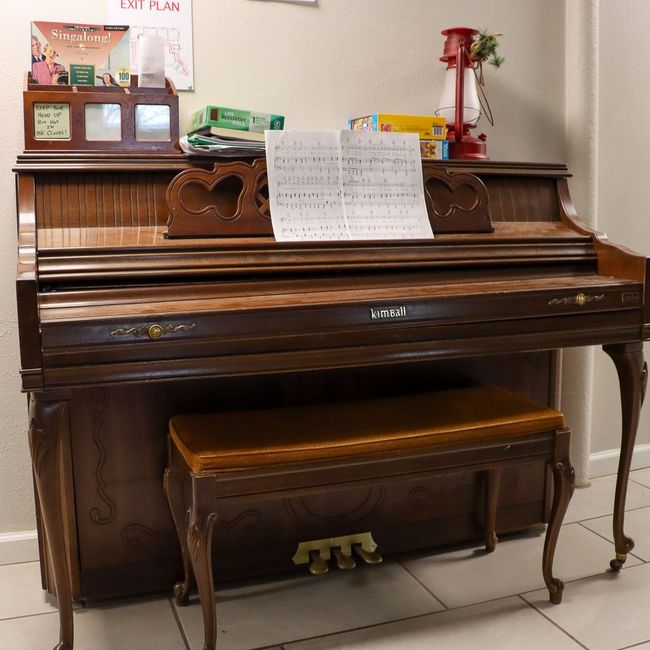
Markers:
<point>462,599</point>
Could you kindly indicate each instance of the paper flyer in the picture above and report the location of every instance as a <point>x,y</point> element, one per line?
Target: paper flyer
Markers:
<point>80,54</point>
<point>169,19</point>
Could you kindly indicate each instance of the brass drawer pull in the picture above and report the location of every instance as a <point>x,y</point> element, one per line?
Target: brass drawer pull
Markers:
<point>154,331</point>
<point>579,299</point>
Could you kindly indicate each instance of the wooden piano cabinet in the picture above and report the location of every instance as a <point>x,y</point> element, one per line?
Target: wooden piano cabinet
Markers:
<point>122,326</point>
<point>127,545</point>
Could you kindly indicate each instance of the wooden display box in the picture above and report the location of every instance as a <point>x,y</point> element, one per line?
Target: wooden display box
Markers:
<point>100,118</point>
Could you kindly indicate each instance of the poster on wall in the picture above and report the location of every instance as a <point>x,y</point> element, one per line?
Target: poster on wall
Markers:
<point>170,20</point>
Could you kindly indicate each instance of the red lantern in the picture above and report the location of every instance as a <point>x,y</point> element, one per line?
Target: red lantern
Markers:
<point>459,102</point>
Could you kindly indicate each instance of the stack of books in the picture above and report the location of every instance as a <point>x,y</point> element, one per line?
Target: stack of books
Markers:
<point>431,129</point>
<point>218,130</point>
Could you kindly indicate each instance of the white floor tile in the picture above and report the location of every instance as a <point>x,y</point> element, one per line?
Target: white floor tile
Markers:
<point>507,624</point>
<point>605,612</point>
<point>470,575</point>
<point>597,499</point>
<point>21,593</point>
<point>144,625</point>
<point>641,476</point>
<point>268,613</point>
<point>636,526</point>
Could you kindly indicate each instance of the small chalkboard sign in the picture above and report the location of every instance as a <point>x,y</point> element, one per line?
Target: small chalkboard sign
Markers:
<point>100,118</point>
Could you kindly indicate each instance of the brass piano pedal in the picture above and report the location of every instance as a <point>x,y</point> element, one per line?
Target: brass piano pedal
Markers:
<point>317,565</point>
<point>342,560</point>
<point>369,557</point>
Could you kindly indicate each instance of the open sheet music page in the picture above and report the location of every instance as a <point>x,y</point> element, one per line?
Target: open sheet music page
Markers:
<point>346,185</point>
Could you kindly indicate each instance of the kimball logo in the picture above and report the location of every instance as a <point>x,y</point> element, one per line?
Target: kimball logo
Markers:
<point>383,313</point>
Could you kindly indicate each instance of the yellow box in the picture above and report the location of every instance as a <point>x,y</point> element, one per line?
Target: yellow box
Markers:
<point>428,127</point>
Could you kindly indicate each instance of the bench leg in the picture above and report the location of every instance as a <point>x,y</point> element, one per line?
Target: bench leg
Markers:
<point>563,487</point>
<point>199,542</point>
<point>173,490</point>
<point>491,504</point>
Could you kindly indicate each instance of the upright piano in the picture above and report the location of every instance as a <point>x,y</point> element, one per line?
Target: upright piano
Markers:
<point>151,285</point>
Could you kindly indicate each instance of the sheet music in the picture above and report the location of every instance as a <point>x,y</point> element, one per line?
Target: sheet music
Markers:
<point>345,185</point>
<point>304,172</point>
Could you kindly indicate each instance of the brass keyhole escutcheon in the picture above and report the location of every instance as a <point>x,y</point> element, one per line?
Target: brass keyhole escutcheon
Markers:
<point>581,299</point>
<point>155,332</point>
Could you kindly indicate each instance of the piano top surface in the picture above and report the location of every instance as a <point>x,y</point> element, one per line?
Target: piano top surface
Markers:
<point>51,240</point>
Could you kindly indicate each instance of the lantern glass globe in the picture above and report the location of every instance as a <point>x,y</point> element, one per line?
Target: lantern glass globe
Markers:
<point>472,106</point>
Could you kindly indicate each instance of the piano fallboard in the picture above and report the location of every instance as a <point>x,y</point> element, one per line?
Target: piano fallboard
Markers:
<point>249,327</point>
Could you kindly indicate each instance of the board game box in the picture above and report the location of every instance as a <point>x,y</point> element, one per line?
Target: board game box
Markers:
<point>82,55</point>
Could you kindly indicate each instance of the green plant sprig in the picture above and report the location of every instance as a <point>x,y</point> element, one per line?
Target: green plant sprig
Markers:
<point>485,47</point>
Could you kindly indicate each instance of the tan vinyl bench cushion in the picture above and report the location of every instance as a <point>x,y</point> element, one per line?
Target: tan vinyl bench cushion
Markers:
<point>245,439</point>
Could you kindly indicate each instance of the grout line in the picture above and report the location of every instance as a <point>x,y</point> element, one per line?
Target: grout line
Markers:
<point>610,541</point>
<point>636,645</point>
<point>550,620</point>
<point>179,624</point>
<point>424,587</point>
<point>607,514</point>
<point>11,618</point>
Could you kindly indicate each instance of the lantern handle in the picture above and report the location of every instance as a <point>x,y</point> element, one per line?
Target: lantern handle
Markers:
<point>483,100</point>
<point>460,90</point>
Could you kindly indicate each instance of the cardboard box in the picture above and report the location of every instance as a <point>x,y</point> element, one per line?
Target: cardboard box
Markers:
<point>234,118</point>
<point>428,127</point>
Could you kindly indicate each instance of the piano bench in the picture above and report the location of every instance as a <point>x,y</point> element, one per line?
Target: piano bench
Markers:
<point>301,450</point>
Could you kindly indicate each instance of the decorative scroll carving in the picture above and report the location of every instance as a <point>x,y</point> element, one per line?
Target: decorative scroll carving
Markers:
<point>100,397</point>
<point>231,199</point>
<point>251,517</point>
<point>145,330</point>
<point>419,496</point>
<point>456,202</point>
<point>580,299</point>
<point>200,533</point>
<point>299,510</point>
<point>133,533</point>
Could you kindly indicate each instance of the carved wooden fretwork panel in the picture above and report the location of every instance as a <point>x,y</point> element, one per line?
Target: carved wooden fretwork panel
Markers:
<point>231,199</point>
<point>456,202</point>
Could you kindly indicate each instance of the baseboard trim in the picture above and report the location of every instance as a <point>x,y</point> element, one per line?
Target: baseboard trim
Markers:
<point>602,463</point>
<point>18,547</point>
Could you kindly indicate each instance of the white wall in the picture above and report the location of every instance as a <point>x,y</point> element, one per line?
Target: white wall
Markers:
<point>318,66</point>
<point>624,165</point>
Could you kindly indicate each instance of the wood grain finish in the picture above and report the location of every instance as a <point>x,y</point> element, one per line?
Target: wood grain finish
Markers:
<point>247,321</point>
<point>78,97</point>
<point>108,200</point>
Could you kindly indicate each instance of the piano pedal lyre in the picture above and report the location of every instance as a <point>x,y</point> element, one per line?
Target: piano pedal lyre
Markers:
<point>317,553</point>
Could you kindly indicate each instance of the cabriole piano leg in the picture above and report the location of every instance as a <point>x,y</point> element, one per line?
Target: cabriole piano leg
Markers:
<point>199,543</point>
<point>632,376</point>
<point>173,488</point>
<point>564,484</point>
<point>48,426</point>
